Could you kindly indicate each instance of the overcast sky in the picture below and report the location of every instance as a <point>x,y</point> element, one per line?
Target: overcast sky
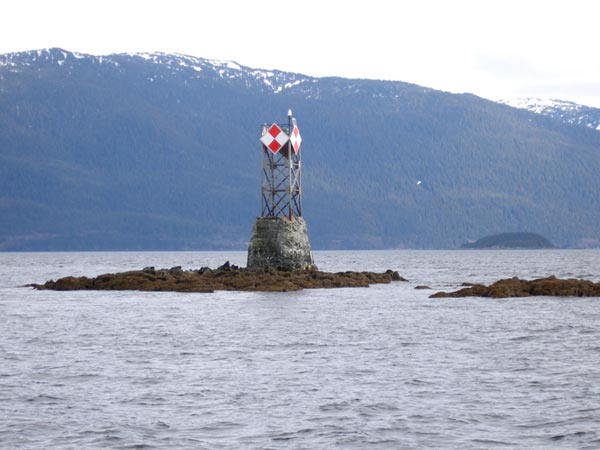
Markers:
<point>494,49</point>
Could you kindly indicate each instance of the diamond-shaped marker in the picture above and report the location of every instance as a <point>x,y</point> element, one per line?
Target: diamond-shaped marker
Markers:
<point>296,139</point>
<point>274,138</point>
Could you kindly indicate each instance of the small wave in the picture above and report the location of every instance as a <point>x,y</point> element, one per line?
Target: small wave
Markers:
<point>588,410</point>
<point>338,406</point>
<point>418,382</point>
<point>80,376</point>
<point>576,434</point>
<point>381,407</point>
<point>102,431</point>
<point>463,421</point>
<point>221,426</point>
<point>523,338</point>
<point>290,435</point>
<point>571,421</point>
<point>588,330</point>
<point>44,398</point>
<point>192,394</point>
<point>282,438</point>
<point>493,442</point>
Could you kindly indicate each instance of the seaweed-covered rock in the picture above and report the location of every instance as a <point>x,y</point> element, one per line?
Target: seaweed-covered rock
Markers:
<point>515,287</point>
<point>225,278</point>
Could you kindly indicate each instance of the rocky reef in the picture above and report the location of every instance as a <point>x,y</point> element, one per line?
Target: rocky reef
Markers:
<point>515,287</point>
<point>225,278</point>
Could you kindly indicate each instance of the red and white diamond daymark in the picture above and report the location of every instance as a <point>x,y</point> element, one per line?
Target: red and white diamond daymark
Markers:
<point>296,139</point>
<point>274,138</point>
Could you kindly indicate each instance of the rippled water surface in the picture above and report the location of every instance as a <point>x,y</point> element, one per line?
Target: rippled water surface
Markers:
<point>380,367</point>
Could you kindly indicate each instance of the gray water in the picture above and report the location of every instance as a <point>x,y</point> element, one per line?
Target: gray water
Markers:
<point>380,367</point>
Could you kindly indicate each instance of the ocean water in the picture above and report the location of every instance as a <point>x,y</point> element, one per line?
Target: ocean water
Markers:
<point>383,367</point>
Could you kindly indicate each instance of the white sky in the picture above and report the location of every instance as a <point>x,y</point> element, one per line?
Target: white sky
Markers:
<point>492,48</point>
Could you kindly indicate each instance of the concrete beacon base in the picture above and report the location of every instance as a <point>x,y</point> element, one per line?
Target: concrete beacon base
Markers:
<point>280,243</point>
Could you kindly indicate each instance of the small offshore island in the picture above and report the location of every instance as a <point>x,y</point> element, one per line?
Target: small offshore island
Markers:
<point>527,241</point>
<point>225,278</point>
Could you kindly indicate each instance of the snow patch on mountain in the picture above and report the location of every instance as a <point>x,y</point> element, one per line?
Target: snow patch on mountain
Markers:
<point>194,67</point>
<point>49,55</point>
<point>566,111</point>
<point>273,80</point>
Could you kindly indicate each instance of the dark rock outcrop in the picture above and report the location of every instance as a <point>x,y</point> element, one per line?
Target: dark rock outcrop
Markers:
<point>515,287</point>
<point>225,278</point>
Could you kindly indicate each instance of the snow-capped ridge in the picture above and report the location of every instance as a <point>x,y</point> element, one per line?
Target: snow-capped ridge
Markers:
<point>563,110</point>
<point>273,80</point>
<point>53,55</point>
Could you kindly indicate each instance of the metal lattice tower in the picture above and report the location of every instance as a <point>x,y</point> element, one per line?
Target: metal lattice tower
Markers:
<point>281,170</point>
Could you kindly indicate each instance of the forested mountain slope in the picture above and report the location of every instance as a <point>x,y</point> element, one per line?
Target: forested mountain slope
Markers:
<point>154,151</point>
